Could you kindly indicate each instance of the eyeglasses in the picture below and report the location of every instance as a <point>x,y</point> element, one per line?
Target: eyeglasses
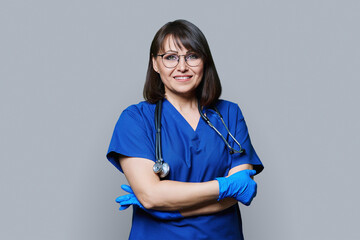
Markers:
<point>171,60</point>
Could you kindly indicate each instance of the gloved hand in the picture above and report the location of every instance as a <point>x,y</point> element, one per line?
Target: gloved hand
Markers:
<point>239,186</point>
<point>130,199</point>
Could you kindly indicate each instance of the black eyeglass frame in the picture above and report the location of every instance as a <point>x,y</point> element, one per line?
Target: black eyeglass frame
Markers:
<point>162,57</point>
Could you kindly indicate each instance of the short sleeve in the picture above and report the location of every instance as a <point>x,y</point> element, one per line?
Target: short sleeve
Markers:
<point>249,156</point>
<point>130,138</point>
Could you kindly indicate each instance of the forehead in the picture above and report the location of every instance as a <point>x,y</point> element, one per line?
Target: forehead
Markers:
<point>172,44</point>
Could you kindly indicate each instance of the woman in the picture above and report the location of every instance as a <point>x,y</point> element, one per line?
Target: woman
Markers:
<point>208,176</point>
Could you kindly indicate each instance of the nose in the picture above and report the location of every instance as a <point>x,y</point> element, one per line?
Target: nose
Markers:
<point>182,66</point>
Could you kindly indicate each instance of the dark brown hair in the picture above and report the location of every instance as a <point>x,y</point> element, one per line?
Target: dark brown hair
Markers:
<point>188,35</point>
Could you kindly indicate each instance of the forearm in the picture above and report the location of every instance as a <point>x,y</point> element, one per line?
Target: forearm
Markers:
<point>170,195</point>
<point>209,207</point>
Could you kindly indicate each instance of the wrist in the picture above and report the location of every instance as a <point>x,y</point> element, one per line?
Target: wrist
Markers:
<point>223,186</point>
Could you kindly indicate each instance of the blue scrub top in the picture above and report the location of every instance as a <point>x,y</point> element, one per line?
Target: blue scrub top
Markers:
<point>193,155</point>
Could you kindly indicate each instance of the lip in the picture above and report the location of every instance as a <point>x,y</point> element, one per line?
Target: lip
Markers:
<point>183,78</point>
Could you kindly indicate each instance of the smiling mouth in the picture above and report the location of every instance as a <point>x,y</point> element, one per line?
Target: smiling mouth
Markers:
<point>182,78</point>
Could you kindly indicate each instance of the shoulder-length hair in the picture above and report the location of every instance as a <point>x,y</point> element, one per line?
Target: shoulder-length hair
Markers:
<point>189,36</point>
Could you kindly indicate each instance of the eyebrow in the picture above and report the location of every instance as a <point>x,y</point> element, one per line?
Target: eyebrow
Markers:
<point>173,51</point>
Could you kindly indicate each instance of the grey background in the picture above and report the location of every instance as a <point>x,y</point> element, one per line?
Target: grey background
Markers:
<point>68,69</point>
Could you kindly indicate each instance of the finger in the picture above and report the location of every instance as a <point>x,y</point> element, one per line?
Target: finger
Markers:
<point>123,198</point>
<point>253,195</point>
<point>127,203</point>
<point>127,188</point>
<point>123,207</point>
<point>255,190</point>
<point>252,172</point>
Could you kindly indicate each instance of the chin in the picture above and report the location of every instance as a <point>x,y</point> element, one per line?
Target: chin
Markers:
<point>185,92</point>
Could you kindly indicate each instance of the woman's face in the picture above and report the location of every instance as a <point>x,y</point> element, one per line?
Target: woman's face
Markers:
<point>181,80</point>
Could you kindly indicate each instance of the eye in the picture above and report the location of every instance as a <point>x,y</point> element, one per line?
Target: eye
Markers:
<point>192,56</point>
<point>171,57</point>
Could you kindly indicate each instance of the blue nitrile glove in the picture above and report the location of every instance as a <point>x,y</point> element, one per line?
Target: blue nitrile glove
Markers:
<point>130,199</point>
<point>239,186</point>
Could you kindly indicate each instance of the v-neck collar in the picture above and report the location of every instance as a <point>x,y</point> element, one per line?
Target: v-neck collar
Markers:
<point>178,115</point>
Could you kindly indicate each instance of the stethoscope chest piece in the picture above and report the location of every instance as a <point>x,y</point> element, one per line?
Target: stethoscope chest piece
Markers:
<point>161,168</point>
<point>165,170</point>
<point>157,167</point>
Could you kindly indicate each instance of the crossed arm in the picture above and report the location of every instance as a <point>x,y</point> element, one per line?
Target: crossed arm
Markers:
<point>189,198</point>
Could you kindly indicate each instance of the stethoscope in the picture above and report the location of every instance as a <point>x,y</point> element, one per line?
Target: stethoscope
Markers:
<point>162,168</point>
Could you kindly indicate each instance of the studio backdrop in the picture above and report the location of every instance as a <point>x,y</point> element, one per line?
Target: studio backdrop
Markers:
<point>69,68</point>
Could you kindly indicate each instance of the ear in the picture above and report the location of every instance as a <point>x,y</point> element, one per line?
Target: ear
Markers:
<point>155,65</point>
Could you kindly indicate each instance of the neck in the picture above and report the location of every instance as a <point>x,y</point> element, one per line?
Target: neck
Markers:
<point>182,102</point>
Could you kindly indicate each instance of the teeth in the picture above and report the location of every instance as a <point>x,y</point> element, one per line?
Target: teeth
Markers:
<point>182,78</point>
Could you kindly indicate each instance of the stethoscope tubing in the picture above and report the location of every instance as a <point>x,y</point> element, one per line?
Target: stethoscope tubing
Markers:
<point>207,120</point>
<point>162,168</point>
